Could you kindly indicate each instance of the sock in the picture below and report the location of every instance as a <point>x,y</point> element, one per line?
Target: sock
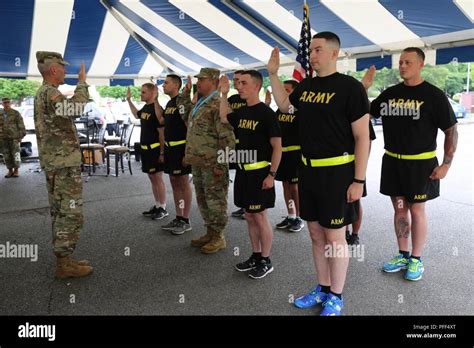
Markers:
<point>162,206</point>
<point>291,216</point>
<point>186,220</point>
<point>266,259</point>
<point>325,288</point>
<point>416,257</point>
<point>405,254</point>
<point>157,204</point>
<point>257,256</point>
<point>339,296</point>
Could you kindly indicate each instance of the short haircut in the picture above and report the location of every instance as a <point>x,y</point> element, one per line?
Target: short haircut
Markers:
<point>255,75</point>
<point>149,86</point>
<point>176,79</point>
<point>328,36</point>
<point>417,50</point>
<point>239,72</point>
<point>293,83</point>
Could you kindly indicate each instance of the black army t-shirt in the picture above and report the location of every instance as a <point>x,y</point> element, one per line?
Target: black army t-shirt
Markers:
<point>175,128</point>
<point>149,125</point>
<point>411,116</point>
<point>326,108</point>
<point>254,126</point>
<point>289,128</point>
<point>235,102</point>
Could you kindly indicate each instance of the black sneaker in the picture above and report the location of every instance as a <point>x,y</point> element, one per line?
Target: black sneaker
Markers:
<point>353,239</point>
<point>159,214</point>
<point>239,213</point>
<point>150,212</point>
<point>248,265</point>
<point>284,224</point>
<point>170,225</point>
<point>263,268</point>
<point>296,225</point>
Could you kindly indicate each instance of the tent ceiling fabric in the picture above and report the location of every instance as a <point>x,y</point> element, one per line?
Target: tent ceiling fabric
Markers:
<point>125,40</point>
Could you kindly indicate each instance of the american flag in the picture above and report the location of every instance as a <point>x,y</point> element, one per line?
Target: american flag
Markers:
<point>302,66</point>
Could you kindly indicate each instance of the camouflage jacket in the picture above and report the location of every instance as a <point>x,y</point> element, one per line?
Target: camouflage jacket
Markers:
<point>58,144</point>
<point>207,135</point>
<point>12,127</point>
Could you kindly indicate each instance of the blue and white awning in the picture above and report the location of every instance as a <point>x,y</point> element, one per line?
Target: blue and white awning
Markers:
<point>128,41</point>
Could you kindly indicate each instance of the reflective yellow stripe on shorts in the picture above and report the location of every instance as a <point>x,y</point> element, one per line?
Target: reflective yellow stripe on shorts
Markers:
<point>175,143</point>
<point>291,148</point>
<point>237,141</point>
<point>420,156</point>
<point>254,166</point>
<point>150,147</point>
<point>327,162</point>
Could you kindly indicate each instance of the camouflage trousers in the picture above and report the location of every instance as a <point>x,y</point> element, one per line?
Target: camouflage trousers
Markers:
<point>11,153</point>
<point>211,196</point>
<point>65,200</point>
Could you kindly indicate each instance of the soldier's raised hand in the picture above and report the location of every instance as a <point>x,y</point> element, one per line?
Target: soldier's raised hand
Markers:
<point>82,73</point>
<point>268,97</point>
<point>368,78</point>
<point>129,93</point>
<point>224,84</point>
<point>154,93</point>
<point>274,61</point>
<point>188,85</point>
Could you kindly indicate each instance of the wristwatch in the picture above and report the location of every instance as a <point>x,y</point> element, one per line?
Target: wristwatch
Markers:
<point>272,173</point>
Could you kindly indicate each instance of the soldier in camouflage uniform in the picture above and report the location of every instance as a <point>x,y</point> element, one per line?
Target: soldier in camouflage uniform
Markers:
<point>12,130</point>
<point>60,157</point>
<point>206,136</point>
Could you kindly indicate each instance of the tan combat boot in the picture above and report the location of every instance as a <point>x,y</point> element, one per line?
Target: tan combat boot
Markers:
<point>216,243</point>
<point>15,173</point>
<point>67,268</point>
<point>201,241</point>
<point>9,174</point>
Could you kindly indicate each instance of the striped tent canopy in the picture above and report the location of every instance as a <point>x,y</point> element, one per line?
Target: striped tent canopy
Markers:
<point>125,42</point>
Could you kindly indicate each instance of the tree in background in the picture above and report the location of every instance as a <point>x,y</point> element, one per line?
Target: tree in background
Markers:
<point>118,91</point>
<point>18,89</point>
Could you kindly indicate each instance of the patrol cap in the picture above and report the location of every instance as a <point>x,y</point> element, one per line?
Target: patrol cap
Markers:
<point>5,99</point>
<point>209,73</point>
<point>50,57</point>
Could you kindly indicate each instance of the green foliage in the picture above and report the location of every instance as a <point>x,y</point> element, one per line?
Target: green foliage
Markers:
<point>118,92</point>
<point>18,89</point>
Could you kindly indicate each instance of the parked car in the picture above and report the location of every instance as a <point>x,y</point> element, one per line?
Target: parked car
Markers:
<point>27,112</point>
<point>459,110</point>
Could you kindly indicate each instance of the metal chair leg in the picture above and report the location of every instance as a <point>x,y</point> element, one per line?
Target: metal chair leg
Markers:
<point>130,163</point>
<point>108,163</point>
<point>116,164</point>
<point>121,162</point>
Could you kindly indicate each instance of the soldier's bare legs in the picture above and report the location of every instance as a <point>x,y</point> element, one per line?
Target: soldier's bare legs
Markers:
<point>158,187</point>
<point>182,194</point>
<point>401,221</point>
<point>321,264</point>
<point>290,192</point>
<point>260,231</point>
<point>419,228</point>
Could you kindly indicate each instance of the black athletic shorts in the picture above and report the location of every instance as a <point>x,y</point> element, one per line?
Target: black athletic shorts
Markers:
<point>323,195</point>
<point>150,160</point>
<point>409,178</point>
<point>174,160</point>
<point>248,193</point>
<point>288,168</point>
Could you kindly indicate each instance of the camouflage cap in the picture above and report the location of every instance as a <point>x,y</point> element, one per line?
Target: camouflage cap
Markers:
<point>210,73</point>
<point>50,57</point>
<point>5,99</point>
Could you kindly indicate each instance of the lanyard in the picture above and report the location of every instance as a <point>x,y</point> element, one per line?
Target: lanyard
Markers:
<point>201,102</point>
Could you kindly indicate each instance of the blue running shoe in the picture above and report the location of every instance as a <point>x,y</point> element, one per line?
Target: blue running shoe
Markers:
<point>415,270</point>
<point>311,299</point>
<point>332,306</point>
<point>395,264</point>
